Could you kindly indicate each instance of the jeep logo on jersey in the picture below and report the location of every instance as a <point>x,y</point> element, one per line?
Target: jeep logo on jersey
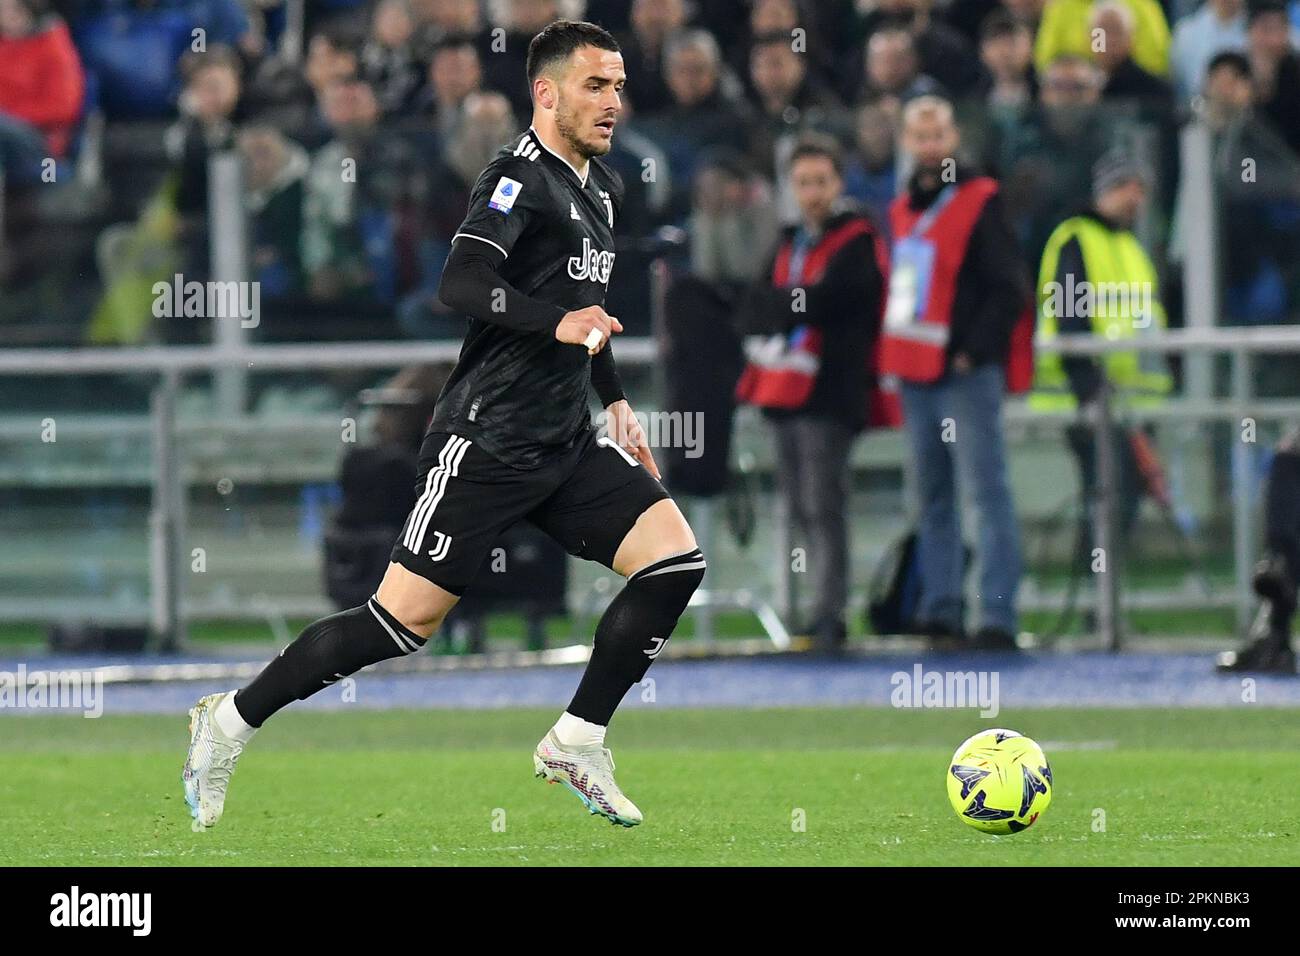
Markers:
<point>594,264</point>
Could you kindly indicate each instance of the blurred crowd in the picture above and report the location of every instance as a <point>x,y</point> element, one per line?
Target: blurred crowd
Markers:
<point>362,125</point>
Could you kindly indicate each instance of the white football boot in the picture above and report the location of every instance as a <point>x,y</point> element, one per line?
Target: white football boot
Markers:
<point>209,763</point>
<point>589,773</point>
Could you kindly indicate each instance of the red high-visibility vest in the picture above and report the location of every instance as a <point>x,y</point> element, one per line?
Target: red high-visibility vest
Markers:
<point>784,377</point>
<point>917,350</point>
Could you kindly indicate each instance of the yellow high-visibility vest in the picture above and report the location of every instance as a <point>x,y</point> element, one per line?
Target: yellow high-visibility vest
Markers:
<point>1119,295</point>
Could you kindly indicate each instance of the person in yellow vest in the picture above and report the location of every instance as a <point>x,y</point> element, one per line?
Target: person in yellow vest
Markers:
<point>1064,29</point>
<point>1096,278</point>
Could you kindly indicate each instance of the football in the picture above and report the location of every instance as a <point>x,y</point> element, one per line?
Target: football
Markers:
<point>999,781</point>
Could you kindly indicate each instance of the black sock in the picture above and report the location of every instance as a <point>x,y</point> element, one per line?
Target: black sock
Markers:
<point>327,650</point>
<point>631,632</point>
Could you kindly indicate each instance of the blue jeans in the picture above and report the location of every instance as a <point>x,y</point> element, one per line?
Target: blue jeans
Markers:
<point>954,427</point>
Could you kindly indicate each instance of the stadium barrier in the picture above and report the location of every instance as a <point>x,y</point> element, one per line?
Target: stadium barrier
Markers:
<point>171,364</point>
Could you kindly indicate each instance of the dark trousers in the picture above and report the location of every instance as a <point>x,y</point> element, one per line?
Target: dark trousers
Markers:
<point>1129,483</point>
<point>812,478</point>
<point>1282,502</point>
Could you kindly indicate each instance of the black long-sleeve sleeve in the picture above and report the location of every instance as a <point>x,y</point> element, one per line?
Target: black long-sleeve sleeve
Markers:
<point>1082,371</point>
<point>472,285</point>
<point>996,288</point>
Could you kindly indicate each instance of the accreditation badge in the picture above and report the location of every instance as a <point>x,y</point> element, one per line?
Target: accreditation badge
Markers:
<point>909,281</point>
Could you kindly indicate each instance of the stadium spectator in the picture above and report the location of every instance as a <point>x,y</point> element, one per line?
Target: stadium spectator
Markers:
<point>647,197</point>
<point>486,120</point>
<point>133,48</point>
<point>702,113</point>
<point>1007,55</point>
<point>387,58</point>
<point>1064,32</point>
<point>437,20</point>
<point>1113,24</point>
<point>352,189</point>
<point>1028,12</point>
<point>833,261</point>
<point>652,22</point>
<point>942,52</point>
<point>504,67</point>
<point>1219,25</point>
<point>274,168</point>
<point>1268,646</point>
<point>1228,91</point>
<point>871,169</point>
<point>454,73</point>
<point>893,67</point>
<point>41,88</point>
<point>333,55</point>
<point>209,111</point>
<point>1275,68</point>
<point>957,291</point>
<point>1257,213</point>
<point>1095,278</point>
<point>1047,158</point>
<point>732,222</point>
<point>790,101</point>
<point>814,39</point>
<point>208,107</point>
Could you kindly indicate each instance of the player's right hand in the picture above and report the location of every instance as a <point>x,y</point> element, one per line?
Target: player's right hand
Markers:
<point>576,327</point>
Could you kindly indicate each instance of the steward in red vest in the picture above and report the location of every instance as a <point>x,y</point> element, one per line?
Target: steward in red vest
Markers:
<point>821,307</point>
<point>957,285</point>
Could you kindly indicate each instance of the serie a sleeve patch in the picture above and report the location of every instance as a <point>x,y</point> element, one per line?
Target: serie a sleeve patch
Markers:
<point>504,196</point>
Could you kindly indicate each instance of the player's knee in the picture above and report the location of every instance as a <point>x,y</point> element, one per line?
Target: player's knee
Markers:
<point>672,579</point>
<point>416,603</point>
<point>660,532</point>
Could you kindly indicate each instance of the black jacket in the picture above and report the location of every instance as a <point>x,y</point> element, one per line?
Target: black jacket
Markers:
<point>992,283</point>
<point>845,305</point>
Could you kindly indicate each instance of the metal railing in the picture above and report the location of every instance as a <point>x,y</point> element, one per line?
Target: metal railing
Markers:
<point>170,364</point>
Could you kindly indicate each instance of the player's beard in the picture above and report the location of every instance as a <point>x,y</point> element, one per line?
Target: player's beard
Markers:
<point>566,125</point>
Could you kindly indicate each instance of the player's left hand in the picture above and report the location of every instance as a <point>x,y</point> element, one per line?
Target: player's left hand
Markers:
<point>627,431</point>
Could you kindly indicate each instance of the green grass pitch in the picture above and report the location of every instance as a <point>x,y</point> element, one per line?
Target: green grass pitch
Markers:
<point>798,786</point>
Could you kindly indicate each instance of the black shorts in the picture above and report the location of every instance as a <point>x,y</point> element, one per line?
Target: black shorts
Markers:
<point>587,498</point>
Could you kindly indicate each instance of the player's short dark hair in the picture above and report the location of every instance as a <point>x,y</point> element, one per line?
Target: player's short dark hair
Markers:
<point>819,144</point>
<point>1232,59</point>
<point>560,39</point>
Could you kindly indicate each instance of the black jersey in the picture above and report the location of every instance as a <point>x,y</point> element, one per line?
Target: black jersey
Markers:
<point>522,396</point>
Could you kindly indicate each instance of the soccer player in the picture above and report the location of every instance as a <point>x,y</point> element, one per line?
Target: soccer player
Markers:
<point>511,439</point>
